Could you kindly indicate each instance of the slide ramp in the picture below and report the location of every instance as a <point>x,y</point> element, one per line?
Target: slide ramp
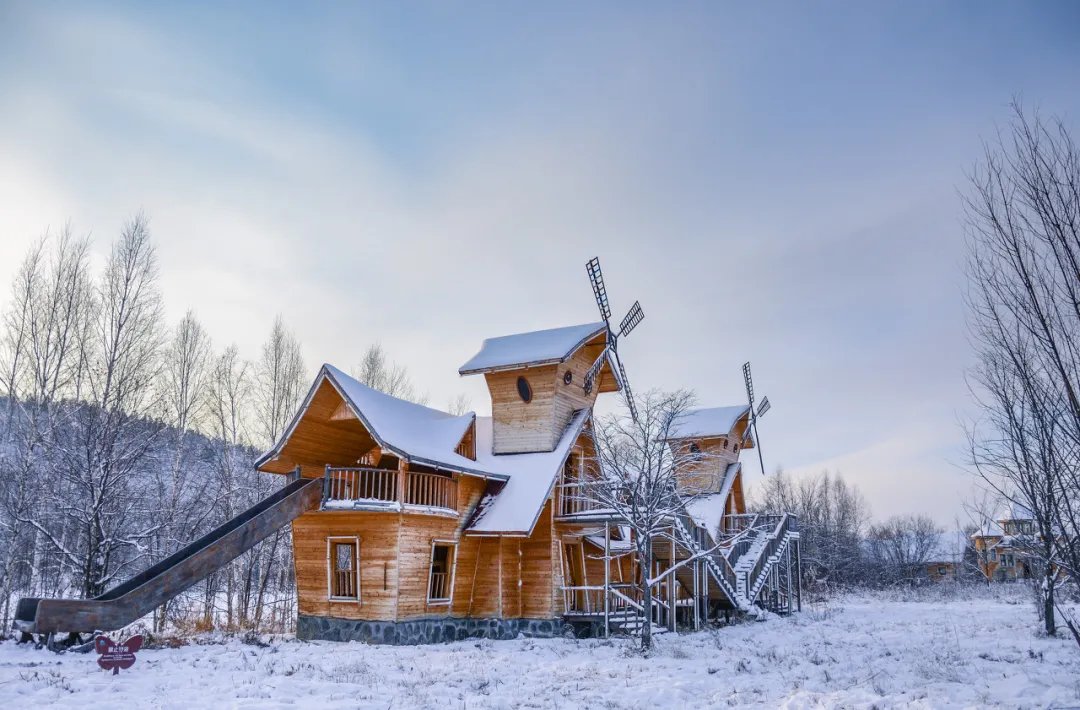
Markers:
<point>138,596</point>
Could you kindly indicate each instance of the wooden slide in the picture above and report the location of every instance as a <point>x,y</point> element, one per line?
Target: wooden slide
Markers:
<point>138,596</point>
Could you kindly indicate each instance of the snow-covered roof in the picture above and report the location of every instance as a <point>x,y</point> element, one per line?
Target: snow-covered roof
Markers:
<point>517,506</point>
<point>709,510</point>
<point>540,347</point>
<point>711,421</point>
<point>414,432</point>
<point>422,434</point>
<point>430,436</point>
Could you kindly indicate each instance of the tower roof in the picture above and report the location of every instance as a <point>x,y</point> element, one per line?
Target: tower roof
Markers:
<point>539,347</point>
<point>707,422</point>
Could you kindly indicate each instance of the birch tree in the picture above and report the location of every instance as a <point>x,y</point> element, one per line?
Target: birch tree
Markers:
<point>113,431</point>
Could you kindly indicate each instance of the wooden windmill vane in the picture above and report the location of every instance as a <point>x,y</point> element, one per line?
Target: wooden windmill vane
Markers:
<point>630,321</point>
<point>755,413</point>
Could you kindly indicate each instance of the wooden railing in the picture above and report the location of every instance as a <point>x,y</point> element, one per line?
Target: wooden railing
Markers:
<point>754,577</point>
<point>440,587</point>
<point>574,499</point>
<point>379,486</point>
<point>360,484</point>
<point>431,490</point>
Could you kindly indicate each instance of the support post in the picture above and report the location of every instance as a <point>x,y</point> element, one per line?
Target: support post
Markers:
<point>326,484</point>
<point>798,574</point>
<point>790,543</point>
<point>705,568</point>
<point>697,596</point>
<point>607,578</point>
<point>672,595</point>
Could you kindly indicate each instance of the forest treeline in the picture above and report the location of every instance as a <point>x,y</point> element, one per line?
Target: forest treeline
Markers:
<point>123,439</point>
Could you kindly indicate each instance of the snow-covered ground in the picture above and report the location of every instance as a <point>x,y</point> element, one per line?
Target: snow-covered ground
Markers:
<point>865,651</point>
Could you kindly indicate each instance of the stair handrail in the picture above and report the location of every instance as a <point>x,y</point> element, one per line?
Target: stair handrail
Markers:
<point>718,565</point>
<point>754,577</point>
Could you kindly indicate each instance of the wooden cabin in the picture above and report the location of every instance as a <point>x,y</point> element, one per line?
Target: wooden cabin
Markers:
<point>437,527</point>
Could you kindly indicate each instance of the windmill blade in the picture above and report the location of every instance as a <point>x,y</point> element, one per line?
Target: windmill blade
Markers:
<point>763,407</point>
<point>757,445</point>
<point>749,384</point>
<point>599,290</point>
<point>625,382</point>
<point>634,316</point>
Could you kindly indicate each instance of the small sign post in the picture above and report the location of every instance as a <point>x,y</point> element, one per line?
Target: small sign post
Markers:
<point>114,656</point>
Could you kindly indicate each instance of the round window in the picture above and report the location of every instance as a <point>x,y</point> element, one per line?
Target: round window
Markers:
<point>568,377</point>
<point>524,390</point>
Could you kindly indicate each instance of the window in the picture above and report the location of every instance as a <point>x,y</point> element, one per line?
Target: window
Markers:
<point>1008,561</point>
<point>695,451</point>
<point>343,568</point>
<point>524,389</point>
<point>942,571</point>
<point>735,448</point>
<point>441,581</point>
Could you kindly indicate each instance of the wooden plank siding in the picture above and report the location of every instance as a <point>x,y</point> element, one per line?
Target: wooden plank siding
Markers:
<point>504,577</point>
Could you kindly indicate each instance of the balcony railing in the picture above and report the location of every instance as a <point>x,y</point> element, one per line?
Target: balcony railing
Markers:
<point>575,499</point>
<point>378,487</point>
<point>431,490</point>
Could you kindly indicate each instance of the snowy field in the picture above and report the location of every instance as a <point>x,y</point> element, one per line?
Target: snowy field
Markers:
<point>863,652</point>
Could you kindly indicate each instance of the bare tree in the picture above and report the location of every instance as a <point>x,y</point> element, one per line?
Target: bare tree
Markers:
<point>646,483</point>
<point>280,382</point>
<point>833,516</point>
<point>46,338</point>
<point>376,371</point>
<point>1023,226</point>
<point>113,432</point>
<point>902,546</point>
<point>180,489</point>
<point>459,405</point>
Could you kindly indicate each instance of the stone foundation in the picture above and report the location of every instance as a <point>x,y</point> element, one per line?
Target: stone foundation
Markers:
<point>418,631</point>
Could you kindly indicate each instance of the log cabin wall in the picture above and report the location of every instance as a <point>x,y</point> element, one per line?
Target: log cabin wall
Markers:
<point>537,425</point>
<point>571,396</point>
<point>707,475</point>
<point>394,560</point>
<point>520,426</point>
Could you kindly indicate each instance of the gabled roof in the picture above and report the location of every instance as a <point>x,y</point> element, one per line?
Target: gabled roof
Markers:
<point>517,506</point>
<point>412,431</point>
<point>540,347</point>
<point>712,421</point>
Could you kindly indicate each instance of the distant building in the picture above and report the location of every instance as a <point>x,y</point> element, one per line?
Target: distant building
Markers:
<point>946,560</point>
<point>1003,548</point>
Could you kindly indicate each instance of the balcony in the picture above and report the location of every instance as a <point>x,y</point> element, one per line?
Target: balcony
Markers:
<point>388,489</point>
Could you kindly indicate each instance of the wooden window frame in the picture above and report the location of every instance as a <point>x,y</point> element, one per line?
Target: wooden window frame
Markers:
<point>453,544</point>
<point>331,540</point>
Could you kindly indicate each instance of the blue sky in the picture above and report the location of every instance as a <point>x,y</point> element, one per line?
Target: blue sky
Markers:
<point>775,182</point>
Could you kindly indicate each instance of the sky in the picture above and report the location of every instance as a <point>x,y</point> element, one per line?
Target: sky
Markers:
<point>775,182</point>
